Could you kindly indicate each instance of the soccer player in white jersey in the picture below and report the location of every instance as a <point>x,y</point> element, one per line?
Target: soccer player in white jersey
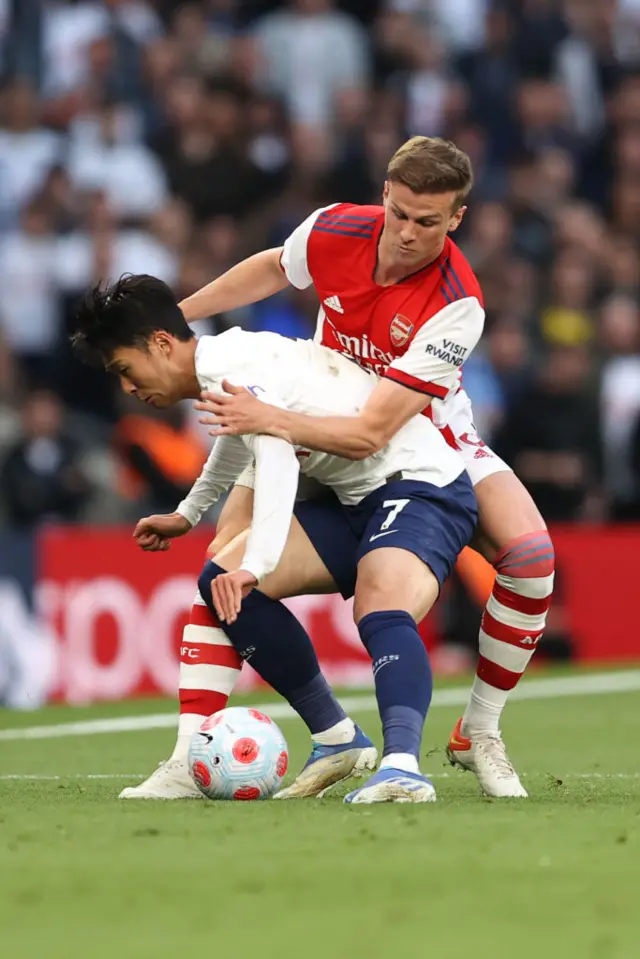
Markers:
<point>395,521</point>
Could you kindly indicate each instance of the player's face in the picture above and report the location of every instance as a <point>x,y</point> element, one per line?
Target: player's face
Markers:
<point>416,224</point>
<point>151,374</point>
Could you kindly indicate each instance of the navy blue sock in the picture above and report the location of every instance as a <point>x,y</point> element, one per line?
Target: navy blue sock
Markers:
<point>269,636</point>
<point>402,675</point>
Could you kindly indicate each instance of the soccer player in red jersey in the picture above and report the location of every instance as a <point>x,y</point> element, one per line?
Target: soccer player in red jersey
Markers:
<point>398,296</point>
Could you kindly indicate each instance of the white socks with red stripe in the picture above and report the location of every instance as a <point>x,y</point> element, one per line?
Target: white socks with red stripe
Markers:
<point>512,624</point>
<point>209,669</point>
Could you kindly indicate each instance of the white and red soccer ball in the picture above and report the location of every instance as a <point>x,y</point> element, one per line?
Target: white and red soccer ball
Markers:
<point>238,753</point>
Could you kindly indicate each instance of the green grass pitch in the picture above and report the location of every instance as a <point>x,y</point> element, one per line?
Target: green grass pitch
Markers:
<point>83,875</point>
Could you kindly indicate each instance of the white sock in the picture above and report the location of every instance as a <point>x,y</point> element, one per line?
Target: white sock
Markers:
<point>188,724</point>
<point>482,715</point>
<point>342,732</point>
<point>404,761</point>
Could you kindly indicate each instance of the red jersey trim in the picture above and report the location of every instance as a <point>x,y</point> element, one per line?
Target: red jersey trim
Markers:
<point>413,383</point>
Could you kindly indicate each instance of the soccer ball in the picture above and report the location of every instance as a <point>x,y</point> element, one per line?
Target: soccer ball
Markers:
<point>238,753</point>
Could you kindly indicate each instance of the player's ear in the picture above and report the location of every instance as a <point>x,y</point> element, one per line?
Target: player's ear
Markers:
<point>456,219</point>
<point>385,191</point>
<point>162,341</point>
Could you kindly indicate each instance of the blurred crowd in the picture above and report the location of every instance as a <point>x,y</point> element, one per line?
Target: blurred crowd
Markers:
<point>176,138</point>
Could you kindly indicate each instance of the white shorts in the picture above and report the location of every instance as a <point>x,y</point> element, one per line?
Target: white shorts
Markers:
<point>479,459</point>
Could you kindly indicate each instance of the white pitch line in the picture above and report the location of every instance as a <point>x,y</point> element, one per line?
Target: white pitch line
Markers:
<point>43,778</point>
<point>21,777</point>
<point>590,684</point>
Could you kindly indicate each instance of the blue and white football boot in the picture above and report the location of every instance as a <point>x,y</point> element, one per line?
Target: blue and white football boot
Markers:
<point>328,765</point>
<point>393,785</point>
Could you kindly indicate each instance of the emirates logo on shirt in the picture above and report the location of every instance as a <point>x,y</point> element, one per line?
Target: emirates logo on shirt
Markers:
<point>400,330</point>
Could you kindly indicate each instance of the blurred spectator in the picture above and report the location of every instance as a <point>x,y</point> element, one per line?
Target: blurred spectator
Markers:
<point>431,96</point>
<point>27,150</point>
<point>204,150</point>
<point>620,403</point>
<point>104,155</point>
<point>160,458</point>
<point>308,54</point>
<point>490,72</point>
<point>30,318</point>
<point>41,477</point>
<point>72,31</point>
<point>551,437</point>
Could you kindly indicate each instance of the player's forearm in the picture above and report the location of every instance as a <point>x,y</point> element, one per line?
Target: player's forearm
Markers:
<point>388,408</point>
<point>250,281</point>
<point>226,461</point>
<point>353,437</point>
<point>276,483</point>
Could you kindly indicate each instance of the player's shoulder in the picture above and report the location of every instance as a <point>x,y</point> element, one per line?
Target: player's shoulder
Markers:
<point>458,281</point>
<point>348,221</point>
<point>215,353</point>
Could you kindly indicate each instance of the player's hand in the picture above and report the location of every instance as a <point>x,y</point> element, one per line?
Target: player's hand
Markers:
<point>228,591</point>
<point>153,533</point>
<point>238,413</point>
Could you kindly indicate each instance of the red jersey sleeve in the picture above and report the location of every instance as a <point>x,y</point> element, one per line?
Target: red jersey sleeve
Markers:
<point>432,362</point>
<point>294,259</point>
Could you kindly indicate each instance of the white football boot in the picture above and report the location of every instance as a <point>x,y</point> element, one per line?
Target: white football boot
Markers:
<point>484,753</point>
<point>329,765</point>
<point>171,780</point>
<point>393,785</point>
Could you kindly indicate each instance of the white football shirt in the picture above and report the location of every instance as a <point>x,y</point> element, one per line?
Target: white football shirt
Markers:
<point>306,378</point>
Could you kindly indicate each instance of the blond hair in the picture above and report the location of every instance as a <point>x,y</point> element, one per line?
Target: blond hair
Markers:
<point>432,165</point>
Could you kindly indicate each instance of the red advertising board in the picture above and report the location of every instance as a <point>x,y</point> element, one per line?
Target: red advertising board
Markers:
<point>598,579</point>
<point>117,613</point>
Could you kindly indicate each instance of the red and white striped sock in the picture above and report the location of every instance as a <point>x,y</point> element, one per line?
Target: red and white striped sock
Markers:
<point>209,669</point>
<point>512,624</point>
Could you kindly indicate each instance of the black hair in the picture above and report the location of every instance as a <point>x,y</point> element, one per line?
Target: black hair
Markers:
<point>126,313</point>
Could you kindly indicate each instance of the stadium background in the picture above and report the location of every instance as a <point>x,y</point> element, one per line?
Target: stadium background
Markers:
<point>176,138</point>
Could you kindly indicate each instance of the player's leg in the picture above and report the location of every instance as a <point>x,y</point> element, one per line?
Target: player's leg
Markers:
<point>204,688</point>
<point>513,536</point>
<point>396,588</point>
<point>209,669</point>
<point>280,650</point>
<point>207,675</point>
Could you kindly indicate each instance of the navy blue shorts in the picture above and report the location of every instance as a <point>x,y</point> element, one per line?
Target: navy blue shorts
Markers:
<point>433,522</point>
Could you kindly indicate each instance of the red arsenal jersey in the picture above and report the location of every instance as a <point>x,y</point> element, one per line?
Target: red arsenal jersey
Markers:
<point>417,332</point>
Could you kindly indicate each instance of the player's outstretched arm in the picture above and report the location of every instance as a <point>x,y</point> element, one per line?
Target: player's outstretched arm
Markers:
<point>429,368</point>
<point>227,459</point>
<point>254,279</point>
<point>225,463</point>
<point>389,407</point>
<point>274,496</point>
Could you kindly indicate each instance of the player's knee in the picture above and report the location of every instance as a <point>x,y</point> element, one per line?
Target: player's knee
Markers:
<point>373,591</point>
<point>374,602</point>
<point>527,557</point>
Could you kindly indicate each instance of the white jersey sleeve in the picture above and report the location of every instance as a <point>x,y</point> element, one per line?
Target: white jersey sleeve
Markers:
<point>294,254</point>
<point>255,362</point>
<point>436,353</point>
<point>276,483</point>
<point>227,460</point>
